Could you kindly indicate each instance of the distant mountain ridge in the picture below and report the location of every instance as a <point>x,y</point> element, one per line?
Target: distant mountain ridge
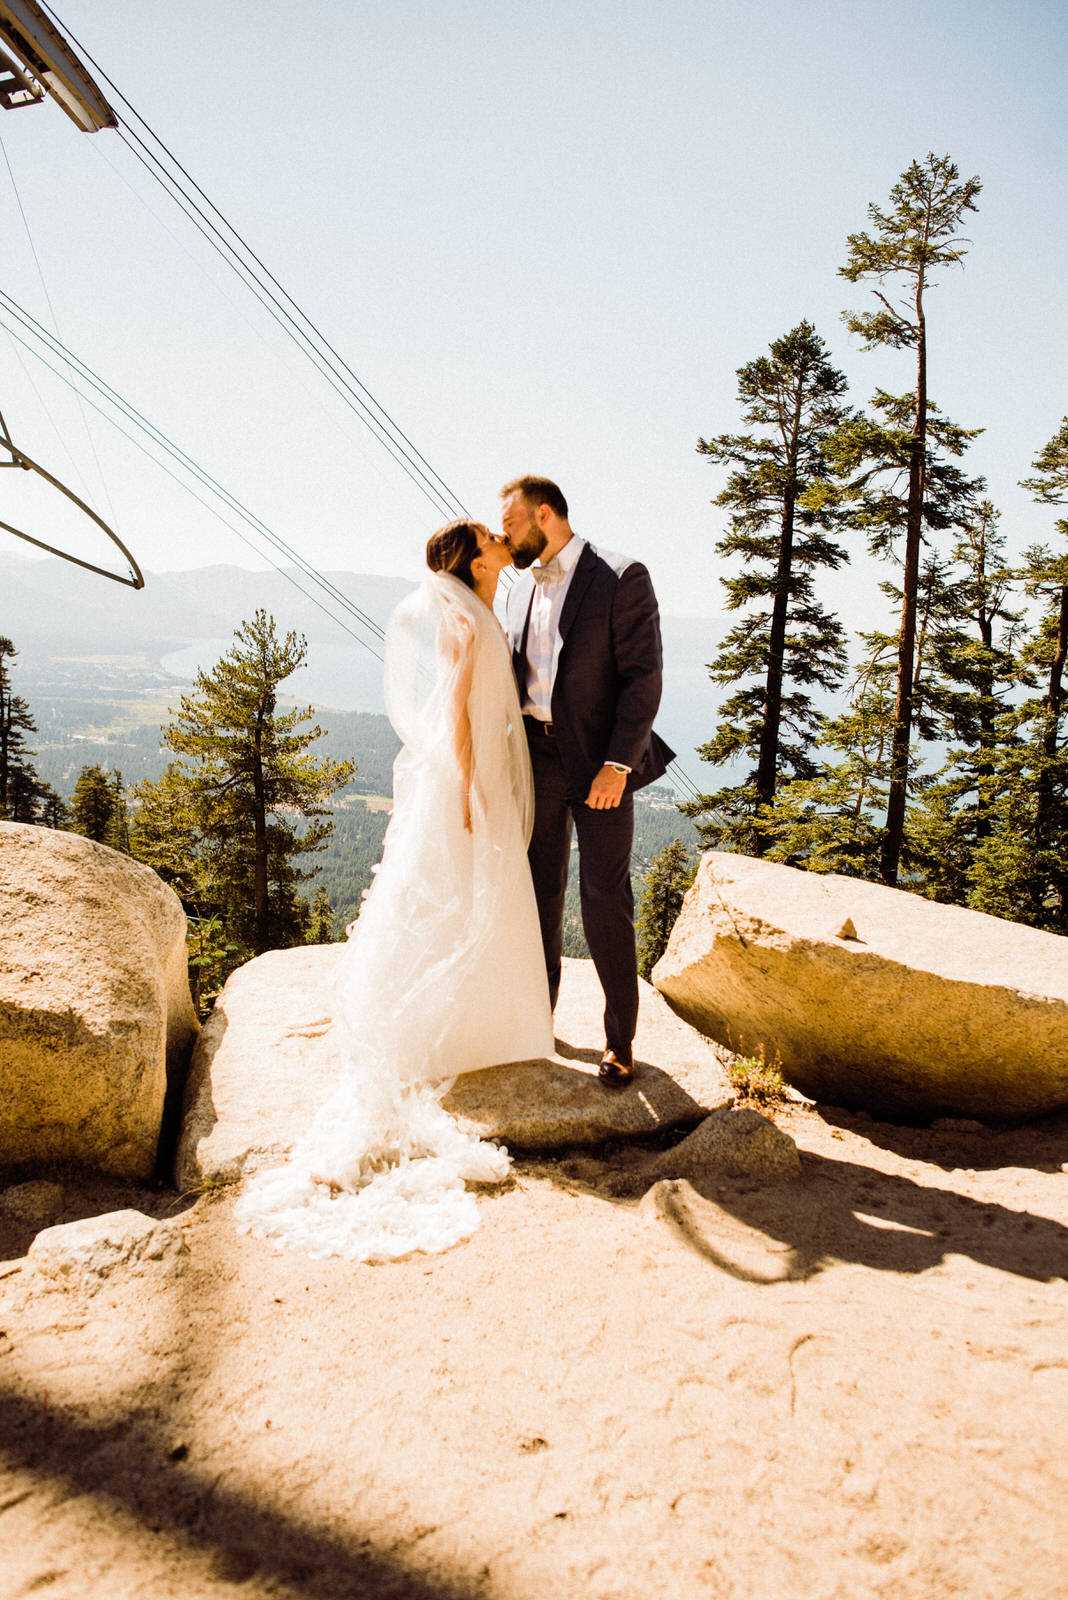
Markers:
<point>76,633</point>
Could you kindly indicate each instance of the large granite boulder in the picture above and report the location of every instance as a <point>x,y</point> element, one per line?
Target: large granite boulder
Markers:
<point>871,997</point>
<point>265,1062</point>
<point>95,1010</point>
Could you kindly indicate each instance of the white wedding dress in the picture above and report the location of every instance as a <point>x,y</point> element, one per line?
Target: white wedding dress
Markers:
<point>443,972</point>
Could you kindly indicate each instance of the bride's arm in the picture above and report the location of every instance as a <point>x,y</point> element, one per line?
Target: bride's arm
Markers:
<point>459,651</point>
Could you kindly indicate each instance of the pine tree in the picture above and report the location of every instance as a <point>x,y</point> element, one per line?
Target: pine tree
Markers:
<point>322,923</point>
<point>826,823</point>
<point>786,644</point>
<point>221,822</point>
<point>20,790</point>
<point>975,639</point>
<point>93,806</point>
<point>872,456</point>
<point>1020,868</point>
<point>917,233</point>
<point>671,873</point>
<point>830,822</point>
<point>1047,572</point>
<point>54,812</point>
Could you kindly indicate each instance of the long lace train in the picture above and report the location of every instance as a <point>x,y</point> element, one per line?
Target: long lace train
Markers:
<point>443,972</point>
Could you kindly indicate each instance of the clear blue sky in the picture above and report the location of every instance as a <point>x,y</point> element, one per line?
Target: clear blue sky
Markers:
<point>545,237</point>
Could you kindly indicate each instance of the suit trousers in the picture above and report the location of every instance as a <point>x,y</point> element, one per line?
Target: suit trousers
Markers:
<point>605,839</point>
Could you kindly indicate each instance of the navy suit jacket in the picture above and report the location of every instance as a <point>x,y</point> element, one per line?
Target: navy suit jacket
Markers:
<point>609,674</point>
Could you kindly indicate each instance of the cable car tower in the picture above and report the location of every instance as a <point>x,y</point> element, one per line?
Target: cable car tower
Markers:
<point>36,62</point>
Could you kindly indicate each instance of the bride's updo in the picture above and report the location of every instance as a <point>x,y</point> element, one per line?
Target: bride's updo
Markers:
<point>452,549</point>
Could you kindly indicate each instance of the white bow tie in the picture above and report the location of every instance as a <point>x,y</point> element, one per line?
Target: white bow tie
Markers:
<point>549,572</point>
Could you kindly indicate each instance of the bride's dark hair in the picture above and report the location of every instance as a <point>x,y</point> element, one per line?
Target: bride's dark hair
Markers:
<point>452,549</point>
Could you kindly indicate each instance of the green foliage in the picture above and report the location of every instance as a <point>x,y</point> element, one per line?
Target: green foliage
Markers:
<point>212,955</point>
<point>670,875</point>
<point>21,792</point>
<point>782,521</point>
<point>322,923</point>
<point>756,1078</point>
<point>350,855</point>
<point>98,808</point>
<point>918,230</point>
<point>222,823</point>
<point>916,233</point>
<point>657,821</point>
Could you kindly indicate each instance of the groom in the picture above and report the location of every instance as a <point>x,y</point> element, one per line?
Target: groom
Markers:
<point>585,635</point>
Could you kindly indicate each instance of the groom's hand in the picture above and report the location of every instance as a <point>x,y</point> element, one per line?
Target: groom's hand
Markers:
<point>606,790</point>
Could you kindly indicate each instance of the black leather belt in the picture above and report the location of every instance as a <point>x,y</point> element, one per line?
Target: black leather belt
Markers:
<point>542,729</point>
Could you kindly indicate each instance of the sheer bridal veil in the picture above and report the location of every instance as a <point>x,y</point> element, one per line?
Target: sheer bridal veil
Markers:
<point>442,972</point>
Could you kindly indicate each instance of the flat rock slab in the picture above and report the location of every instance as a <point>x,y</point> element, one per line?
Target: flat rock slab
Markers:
<point>81,1255</point>
<point>870,997</point>
<point>265,1062</point>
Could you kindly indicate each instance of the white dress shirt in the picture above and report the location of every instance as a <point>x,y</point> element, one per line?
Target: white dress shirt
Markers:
<point>543,634</point>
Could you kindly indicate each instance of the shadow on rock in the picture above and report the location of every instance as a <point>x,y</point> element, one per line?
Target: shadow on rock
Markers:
<point>953,1143</point>
<point>768,1232</point>
<point>544,1105</point>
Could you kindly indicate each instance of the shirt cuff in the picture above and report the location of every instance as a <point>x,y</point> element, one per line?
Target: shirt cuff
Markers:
<point>617,766</point>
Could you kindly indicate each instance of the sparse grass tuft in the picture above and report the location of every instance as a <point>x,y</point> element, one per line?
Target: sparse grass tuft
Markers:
<point>756,1078</point>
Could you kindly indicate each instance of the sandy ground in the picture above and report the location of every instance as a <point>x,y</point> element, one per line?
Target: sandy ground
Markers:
<point>852,1385</point>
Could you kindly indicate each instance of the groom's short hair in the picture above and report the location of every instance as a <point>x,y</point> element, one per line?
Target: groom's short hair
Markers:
<point>538,492</point>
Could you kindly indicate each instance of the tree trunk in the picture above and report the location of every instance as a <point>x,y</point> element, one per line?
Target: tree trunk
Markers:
<point>259,822</point>
<point>894,829</point>
<point>1054,701</point>
<point>5,726</point>
<point>768,760</point>
<point>984,767</point>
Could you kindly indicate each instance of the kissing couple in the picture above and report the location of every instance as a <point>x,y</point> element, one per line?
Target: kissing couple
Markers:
<point>509,746</point>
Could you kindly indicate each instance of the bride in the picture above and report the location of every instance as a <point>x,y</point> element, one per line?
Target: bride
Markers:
<point>443,971</point>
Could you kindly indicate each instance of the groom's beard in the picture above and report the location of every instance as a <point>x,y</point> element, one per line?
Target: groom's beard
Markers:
<point>525,554</point>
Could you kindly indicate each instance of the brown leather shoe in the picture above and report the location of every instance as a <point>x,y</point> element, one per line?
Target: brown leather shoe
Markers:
<point>617,1068</point>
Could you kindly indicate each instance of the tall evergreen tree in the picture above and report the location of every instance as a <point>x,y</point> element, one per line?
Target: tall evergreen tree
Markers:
<point>671,873</point>
<point>917,233</point>
<point>1021,868</point>
<point>20,791</point>
<point>322,923</point>
<point>244,775</point>
<point>780,532</point>
<point>872,455</point>
<point>1048,573</point>
<point>975,638</point>
<point>54,813</point>
<point>97,807</point>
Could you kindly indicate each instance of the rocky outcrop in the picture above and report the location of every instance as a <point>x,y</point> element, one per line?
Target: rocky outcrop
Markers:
<point>261,1068</point>
<point>265,1062</point>
<point>81,1255</point>
<point>95,1009</point>
<point>737,1141</point>
<point>871,997</point>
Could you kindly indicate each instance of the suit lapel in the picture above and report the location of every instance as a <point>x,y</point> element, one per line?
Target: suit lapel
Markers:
<point>580,582</point>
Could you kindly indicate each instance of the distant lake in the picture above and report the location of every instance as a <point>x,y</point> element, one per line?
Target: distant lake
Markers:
<point>186,663</point>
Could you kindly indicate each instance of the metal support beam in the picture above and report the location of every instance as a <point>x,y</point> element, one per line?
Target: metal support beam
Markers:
<point>45,57</point>
<point>16,89</point>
